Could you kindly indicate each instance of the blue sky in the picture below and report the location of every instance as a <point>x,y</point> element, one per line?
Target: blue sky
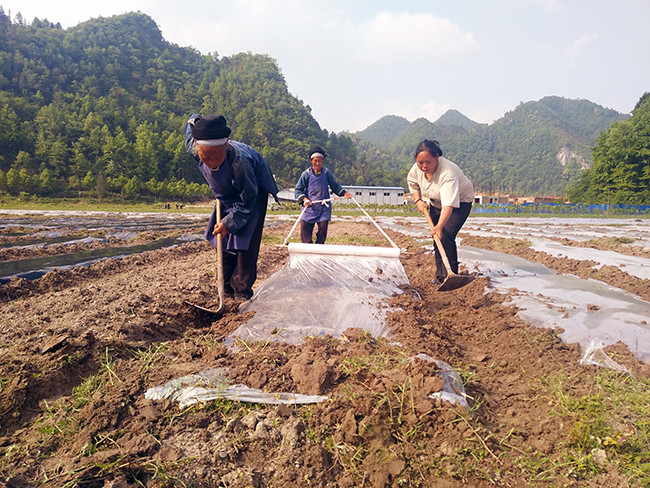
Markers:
<point>354,61</point>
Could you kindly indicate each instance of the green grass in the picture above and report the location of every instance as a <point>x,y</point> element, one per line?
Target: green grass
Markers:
<point>152,355</point>
<point>85,205</point>
<point>609,426</point>
<point>606,427</point>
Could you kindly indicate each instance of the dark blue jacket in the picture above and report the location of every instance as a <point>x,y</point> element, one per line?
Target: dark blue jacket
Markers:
<point>250,174</point>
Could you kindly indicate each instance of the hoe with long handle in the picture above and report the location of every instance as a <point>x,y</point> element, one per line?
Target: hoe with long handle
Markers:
<point>219,272</point>
<point>453,280</point>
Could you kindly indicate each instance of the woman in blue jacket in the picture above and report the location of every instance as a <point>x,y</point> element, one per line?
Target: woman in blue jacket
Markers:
<point>313,185</point>
<point>241,179</point>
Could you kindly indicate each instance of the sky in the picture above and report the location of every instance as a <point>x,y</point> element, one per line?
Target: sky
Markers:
<point>355,61</point>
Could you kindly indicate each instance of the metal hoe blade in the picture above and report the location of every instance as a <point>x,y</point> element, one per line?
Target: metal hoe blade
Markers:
<point>207,311</point>
<point>454,281</point>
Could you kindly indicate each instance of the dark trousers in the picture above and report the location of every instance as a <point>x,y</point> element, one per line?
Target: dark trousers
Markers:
<point>448,239</point>
<point>240,267</point>
<point>307,229</point>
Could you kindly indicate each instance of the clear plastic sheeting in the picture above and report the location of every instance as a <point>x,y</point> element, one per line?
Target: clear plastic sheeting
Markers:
<point>324,289</point>
<point>452,390</point>
<point>213,384</point>
<point>595,354</point>
<point>586,310</point>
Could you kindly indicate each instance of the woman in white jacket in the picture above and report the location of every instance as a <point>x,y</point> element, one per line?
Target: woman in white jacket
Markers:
<point>441,188</point>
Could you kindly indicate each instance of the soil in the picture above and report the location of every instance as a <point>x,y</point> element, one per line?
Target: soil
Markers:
<point>79,349</point>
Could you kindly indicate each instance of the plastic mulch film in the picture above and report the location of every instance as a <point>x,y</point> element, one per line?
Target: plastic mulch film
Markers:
<point>324,289</point>
<point>213,384</point>
<point>595,354</point>
<point>452,390</point>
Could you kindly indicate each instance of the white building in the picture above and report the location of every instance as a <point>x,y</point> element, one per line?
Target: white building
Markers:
<point>481,198</point>
<point>382,195</point>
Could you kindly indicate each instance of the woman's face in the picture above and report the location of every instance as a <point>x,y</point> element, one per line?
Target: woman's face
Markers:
<point>212,156</point>
<point>426,162</point>
<point>317,164</point>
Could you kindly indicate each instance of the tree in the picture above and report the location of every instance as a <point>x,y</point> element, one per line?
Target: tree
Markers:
<point>132,187</point>
<point>28,183</point>
<point>621,169</point>
<point>14,181</point>
<point>89,181</point>
<point>74,183</point>
<point>46,182</point>
<point>23,161</point>
<point>147,150</point>
<point>101,185</point>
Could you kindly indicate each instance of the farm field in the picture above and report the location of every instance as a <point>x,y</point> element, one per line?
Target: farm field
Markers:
<point>81,345</point>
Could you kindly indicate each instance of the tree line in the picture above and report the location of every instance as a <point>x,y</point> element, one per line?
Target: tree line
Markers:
<point>99,109</point>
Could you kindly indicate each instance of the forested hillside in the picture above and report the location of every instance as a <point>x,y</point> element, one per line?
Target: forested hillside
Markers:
<point>621,169</point>
<point>539,148</point>
<point>100,108</point>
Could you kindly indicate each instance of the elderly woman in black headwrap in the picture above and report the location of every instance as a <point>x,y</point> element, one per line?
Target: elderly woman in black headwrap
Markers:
<point>241,179</point>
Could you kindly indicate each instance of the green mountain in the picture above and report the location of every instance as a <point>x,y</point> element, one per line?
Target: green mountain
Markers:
<point>538,148</point>
<point>383,132</point>
<point>455,118</point>
<point>103,104</point>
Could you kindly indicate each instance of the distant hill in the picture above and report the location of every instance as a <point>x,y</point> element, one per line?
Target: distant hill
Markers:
<point>454,117</point>
<point>383,132</point>
<point>540,147</point>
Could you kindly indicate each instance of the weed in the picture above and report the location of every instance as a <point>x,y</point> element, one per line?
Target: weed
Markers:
<point>257,346</point>
<point>108,364</point>
<point>82,394</point>
<point>210,340</point>
<point>230,408</point>
<point>348,455</point>
<point>151,356</point>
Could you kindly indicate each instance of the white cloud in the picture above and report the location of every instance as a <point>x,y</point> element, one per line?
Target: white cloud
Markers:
<point>389,38</point>
<point>572,53</point>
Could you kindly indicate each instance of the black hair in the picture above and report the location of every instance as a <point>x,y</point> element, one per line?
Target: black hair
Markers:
<point>432,146</point>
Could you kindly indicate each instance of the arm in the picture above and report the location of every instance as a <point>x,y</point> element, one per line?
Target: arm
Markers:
<point>415,190</point>
<point>419,203</point>
<point>189,140</point>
